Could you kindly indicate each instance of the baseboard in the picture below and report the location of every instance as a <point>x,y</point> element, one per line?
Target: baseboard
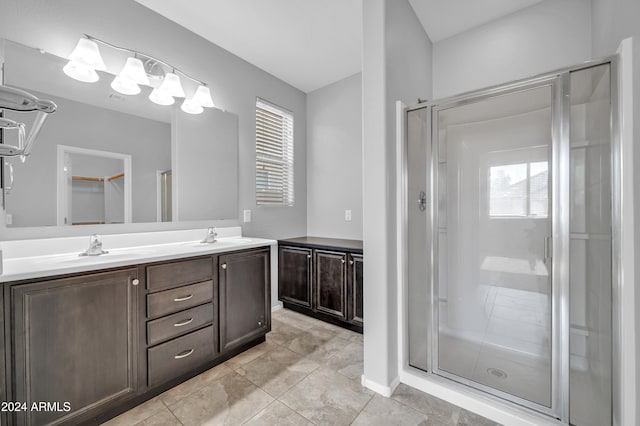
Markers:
<point>383,390</point>
<point>276,307</point>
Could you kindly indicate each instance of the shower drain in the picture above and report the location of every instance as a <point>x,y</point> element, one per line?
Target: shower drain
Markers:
<point>497,373</point>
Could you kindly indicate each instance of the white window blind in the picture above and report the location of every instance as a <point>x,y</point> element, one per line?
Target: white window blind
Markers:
<point>274,155</point>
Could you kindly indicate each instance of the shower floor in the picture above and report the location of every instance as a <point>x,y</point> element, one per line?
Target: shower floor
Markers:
<point>507,346</point>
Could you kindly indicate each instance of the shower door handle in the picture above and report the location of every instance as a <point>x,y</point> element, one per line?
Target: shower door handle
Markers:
<point>422,201</point>
<point>547,249</point>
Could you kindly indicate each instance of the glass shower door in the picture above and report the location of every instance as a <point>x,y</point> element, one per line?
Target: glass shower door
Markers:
<point>492,281</point>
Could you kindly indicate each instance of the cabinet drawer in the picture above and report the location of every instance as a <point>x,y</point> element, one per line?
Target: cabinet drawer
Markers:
<point>179,273</point>
<point>181,355</point>
<point>178,299</point>
<point>174,325</point>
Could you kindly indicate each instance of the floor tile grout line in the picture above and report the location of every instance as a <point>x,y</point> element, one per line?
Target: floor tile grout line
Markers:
<point>362,409</point>
<point>294,410</point>
<point>256,414</point>
<point>172,413</point>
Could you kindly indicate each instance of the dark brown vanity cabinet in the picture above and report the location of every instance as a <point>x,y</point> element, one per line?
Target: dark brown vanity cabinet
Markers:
<point>105,341</point>
<point>245,297</point>
<point>181,318</point>
<point>74,340</point>
<point>322,277</point>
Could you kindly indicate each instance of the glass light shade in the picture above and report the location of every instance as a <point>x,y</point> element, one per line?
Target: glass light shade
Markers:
<point>80,72</point>
<point>172,85</point>
<point>134,71</point>
<point>191,106</point>
<point>161,97</point>
<point>125,86</point>
<point>88,54</point>
<point>203,97</point>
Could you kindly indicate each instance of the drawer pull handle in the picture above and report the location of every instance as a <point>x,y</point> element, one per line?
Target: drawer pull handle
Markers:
<point>135,281</point>
<point>183,323</point>
<point>184,354</point>
<point>223,266</point>
<point>183,298</point>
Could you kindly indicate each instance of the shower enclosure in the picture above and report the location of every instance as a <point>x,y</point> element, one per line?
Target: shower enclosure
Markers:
<point>512,205</point>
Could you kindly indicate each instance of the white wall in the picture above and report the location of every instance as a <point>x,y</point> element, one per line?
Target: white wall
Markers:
<point>396,66</point>
<point>56,27</point>
<point>549,35</point>
<point>334,159</point>
<point>613,21</point>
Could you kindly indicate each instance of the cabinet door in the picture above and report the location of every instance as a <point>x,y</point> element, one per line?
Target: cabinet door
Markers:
<point>355,284</point>
<point>75,340</point>
<point>294,275</point>
<point>245,308</point>
<point>331,283</point>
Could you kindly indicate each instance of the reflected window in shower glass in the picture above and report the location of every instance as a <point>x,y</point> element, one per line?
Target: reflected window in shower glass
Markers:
<point>519,190</point>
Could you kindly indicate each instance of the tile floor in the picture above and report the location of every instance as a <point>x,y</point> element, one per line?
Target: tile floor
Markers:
<point>306,373</point>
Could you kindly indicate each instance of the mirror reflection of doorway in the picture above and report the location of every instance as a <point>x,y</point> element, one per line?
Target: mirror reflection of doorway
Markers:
<point>94,187</point>
<point>165,198</point>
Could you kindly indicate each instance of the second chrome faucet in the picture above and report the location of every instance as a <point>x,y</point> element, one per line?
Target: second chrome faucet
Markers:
<point>210,238</point>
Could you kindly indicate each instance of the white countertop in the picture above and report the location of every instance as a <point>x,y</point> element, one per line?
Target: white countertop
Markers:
<point>28,259</point>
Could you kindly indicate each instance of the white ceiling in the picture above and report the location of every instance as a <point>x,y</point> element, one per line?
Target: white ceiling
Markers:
<point>445,18</point>
<point>306,43</point>
<point>312,43</point>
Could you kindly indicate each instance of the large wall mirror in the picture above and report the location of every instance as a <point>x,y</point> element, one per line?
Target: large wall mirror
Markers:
<point>105,158</point>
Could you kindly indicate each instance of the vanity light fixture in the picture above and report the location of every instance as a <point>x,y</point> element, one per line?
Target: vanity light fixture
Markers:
<point>140,70</point>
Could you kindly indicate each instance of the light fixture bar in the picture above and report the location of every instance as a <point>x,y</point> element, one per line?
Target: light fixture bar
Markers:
<point>135,52</point>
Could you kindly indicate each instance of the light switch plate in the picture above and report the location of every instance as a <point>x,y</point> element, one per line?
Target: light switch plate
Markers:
<point>247,216</point>
<point>347,215</point>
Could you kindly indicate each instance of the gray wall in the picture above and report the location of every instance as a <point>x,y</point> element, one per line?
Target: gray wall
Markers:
<point>613,21</point>
<point>56,27</point>
<point>396,66</point>
<point>85,126</point>
<point>334,159</point>
<point>205,159</point>
<point>549,35</point>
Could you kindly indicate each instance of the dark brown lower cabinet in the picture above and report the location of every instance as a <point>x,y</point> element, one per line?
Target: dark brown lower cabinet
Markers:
<point>355,288</point>
<point>245,299</point>
<point>323,278</point>
<point>294,275</point>
<point>74,341</point>
<point>331,283</point>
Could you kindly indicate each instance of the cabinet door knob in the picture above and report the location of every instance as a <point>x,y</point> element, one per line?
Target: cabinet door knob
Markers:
<point>223,266</point>
<point>135,281</point>
<point>260,323</point>
<point>342,260</point>
<point>351,262</point>
<point>308,256</point>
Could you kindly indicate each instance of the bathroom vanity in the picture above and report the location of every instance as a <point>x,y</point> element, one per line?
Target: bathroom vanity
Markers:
<point>118,330</point>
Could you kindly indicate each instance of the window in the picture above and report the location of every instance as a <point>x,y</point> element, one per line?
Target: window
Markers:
<point>274,155</point>
<point>519,190</point>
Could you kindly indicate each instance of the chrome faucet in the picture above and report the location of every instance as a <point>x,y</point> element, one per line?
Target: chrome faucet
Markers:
<point>211,236</point>
<point>95,247</point>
